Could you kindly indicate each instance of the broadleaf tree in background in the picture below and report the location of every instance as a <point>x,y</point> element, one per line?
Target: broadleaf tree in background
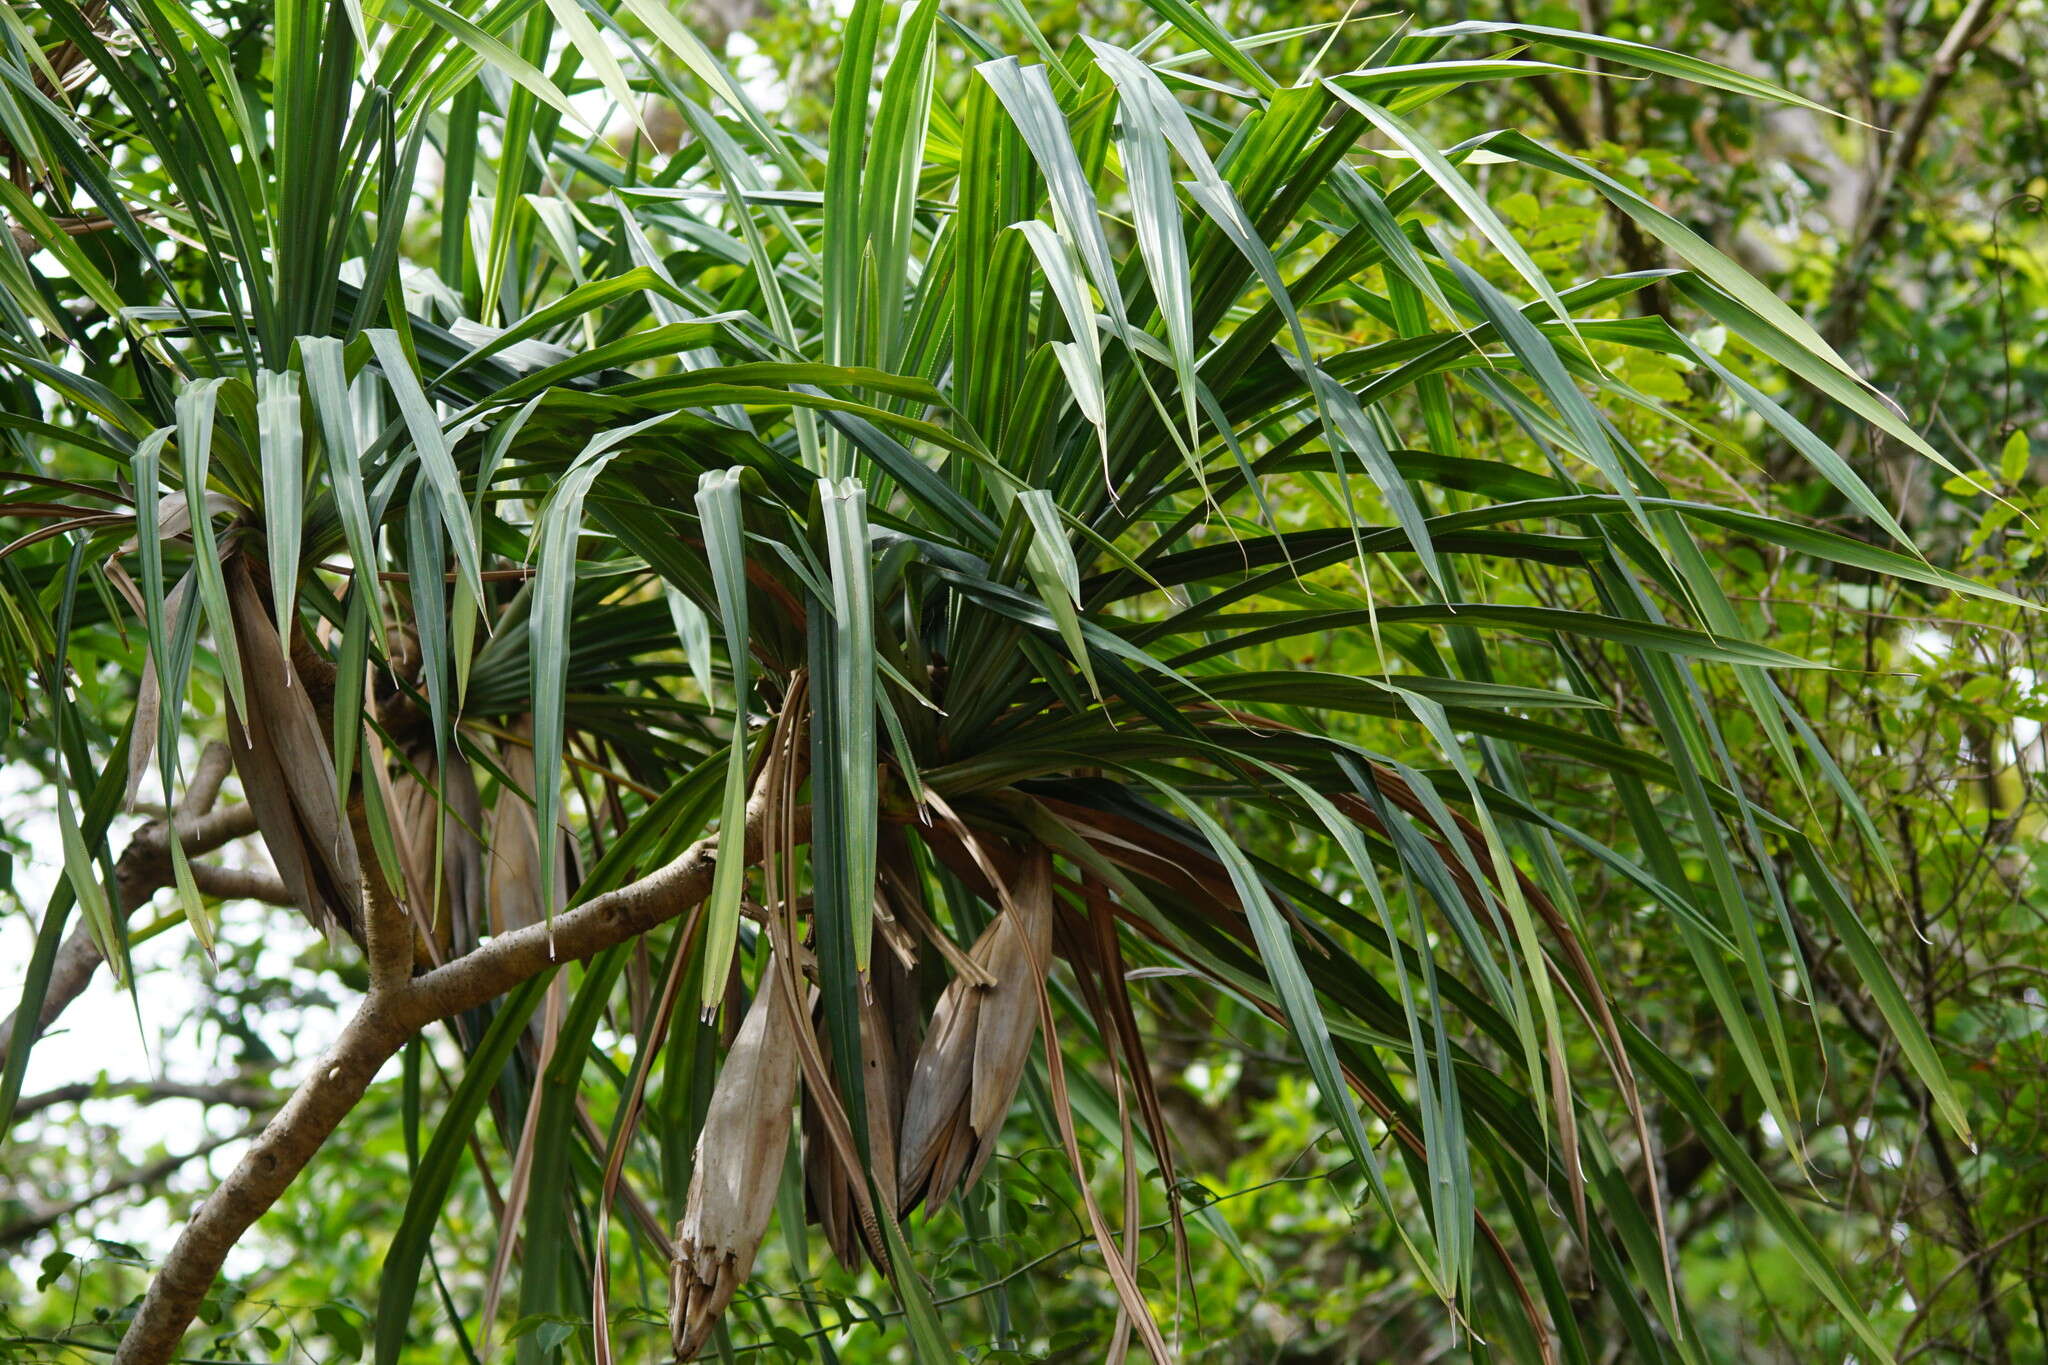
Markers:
<point>779,657</point>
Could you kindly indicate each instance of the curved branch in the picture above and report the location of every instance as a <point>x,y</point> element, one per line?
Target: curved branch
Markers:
<point>391,1013</point>
<point>276,1157</point>
<point>502,963</point>
<point>240,884</point>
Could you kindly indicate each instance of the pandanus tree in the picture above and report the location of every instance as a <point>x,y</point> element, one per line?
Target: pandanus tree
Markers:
<point>806,637</point>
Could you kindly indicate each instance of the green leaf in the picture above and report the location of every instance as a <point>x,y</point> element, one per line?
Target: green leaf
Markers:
<point>852,702</point>
<point>85,885</point>
<point>404,1261</point>
<point>2016,458</point>
<point>327,385</point>
<point>556,531</point>
<point>1297,997</point>
<point>488,48</point>
<point>718,512</point>
<point>1877,978</point>
<point>1260,627</point>
<point>1642,56</point>
<point>1051,559</point>
<point>430,443</point>
<point>1806,1253</point>
<point>1191,21</point>
<point>196,405</point>
<point>277,414</point>
<point>1469,201</point>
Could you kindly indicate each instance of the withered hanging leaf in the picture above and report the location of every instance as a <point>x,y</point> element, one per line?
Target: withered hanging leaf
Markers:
<point>974,1055</point>
<point>513,882</point>
<point>281,753</point>
<point>146,747</point>
<point>885,1070</point>
<point>738,1166</point>
<point>449,915</point>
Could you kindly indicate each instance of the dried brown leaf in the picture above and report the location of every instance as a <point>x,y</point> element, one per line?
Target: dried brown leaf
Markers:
<point>835,1202</point>
<point>282,755</point>
<point>738,1165</point>
<point>979,1043</point>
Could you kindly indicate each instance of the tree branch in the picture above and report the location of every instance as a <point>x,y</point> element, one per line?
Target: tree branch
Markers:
<point>148,1092</point>
<point>240,883</point>
<point>392,1012</point>
<point>1972,28</point>
<point>506,961</point>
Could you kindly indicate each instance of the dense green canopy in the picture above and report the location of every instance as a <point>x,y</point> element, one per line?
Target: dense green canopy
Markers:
<point>827,648</point>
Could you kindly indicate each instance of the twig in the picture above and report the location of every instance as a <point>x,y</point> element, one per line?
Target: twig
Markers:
<point>149,1092</point>
<point>1979,1254</point>
<point>14,1234</point>
<point>1972,28</point>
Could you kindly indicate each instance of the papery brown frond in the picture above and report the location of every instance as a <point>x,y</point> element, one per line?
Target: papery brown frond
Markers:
<point>281,753</point>
<point>739,1158</point>
<point>512,880</point>
<point>976,1050</point>
<point>885,1071</point>
<point>447,910</point>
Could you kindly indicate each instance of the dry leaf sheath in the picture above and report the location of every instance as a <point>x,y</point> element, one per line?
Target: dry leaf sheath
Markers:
<point>738,1164</point>
<point>888,1040</point>
<point>974,1055</point>
<point>282,757</point>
